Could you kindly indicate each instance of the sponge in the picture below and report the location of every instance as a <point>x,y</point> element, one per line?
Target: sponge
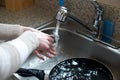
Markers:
<point>108,30</point>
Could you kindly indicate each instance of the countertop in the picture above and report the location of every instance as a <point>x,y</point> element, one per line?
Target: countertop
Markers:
<point>33,16</point>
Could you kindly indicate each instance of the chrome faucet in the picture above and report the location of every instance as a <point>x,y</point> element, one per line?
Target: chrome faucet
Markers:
<point>63,13</point>
<point>98,19</point>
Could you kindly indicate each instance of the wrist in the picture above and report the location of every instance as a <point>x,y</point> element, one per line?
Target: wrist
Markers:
<point>24,29</point>
<point>30,39</point>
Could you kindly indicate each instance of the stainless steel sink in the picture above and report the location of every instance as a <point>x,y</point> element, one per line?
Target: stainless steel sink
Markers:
<point>74,45</point>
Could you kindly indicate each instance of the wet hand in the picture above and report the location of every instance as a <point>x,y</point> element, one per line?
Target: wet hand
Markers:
<point>45,46</point>
<point>45,43</point>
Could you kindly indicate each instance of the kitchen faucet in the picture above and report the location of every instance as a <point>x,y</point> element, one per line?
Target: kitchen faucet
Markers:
<point>98,19</point>
<point>63,13</point>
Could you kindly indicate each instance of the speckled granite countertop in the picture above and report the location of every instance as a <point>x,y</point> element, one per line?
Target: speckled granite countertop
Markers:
<point>28,17</point>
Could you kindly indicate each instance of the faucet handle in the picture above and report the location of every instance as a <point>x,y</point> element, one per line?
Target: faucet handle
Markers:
<point>62,14</point>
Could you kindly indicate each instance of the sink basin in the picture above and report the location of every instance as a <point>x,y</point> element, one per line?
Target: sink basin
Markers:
<point>74,45</point>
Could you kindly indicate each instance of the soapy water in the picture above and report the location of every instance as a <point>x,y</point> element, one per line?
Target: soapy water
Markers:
<point>56,34</point>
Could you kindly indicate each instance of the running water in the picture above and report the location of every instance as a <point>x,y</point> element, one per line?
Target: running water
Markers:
<point>56,34</point>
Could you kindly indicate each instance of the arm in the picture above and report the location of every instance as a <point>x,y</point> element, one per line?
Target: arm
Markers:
<point>14,53</point>
<point>9,31</point>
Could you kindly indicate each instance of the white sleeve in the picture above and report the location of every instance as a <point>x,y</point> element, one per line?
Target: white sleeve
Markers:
<point>9,31</point>
<point>14,53</point>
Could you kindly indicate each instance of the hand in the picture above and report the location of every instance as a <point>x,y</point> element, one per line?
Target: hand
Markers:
<point>45,45</point>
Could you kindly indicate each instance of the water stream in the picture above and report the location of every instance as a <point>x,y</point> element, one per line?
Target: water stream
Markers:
<point>56,34</point>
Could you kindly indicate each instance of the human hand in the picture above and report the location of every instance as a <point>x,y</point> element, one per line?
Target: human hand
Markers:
<point>45,45</point>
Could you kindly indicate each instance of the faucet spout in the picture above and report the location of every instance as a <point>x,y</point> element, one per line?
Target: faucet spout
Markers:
<point>62,14</point>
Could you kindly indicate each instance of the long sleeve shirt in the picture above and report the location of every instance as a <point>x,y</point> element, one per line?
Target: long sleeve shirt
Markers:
<point>9,31</point>
<point>14,52</point>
